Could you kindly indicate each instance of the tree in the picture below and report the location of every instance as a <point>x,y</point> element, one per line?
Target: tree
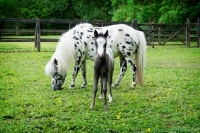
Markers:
<point>165,11</point>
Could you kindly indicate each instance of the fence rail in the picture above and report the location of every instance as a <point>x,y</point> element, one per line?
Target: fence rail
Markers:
<point>154,32</point>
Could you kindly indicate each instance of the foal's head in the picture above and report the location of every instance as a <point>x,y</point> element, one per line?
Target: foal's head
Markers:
<point>100,43</point>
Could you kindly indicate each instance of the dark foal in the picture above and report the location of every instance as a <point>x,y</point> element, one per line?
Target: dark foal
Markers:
<point>103,67</point>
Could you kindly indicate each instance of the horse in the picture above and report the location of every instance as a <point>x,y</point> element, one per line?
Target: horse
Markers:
<point>103,67</point>
<point>78,44</point>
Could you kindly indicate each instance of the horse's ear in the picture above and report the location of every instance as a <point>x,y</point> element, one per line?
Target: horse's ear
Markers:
<point>95,33</point>
<point>106,34</point>
<point>55,62</point>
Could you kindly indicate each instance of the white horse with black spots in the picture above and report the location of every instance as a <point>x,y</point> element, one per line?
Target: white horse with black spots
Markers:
<point>77,45</point>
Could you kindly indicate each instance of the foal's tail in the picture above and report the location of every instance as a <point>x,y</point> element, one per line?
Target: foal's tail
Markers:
<point>140,58</point>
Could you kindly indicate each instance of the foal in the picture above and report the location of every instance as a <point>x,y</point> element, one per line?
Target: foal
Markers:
<point>103,67</point>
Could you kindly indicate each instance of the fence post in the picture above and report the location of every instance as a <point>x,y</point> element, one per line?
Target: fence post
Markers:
<point>37,34</point>
<point>188,32</point>
<point>152,33</point>
<point>134,24</point>
<point>198,35</point>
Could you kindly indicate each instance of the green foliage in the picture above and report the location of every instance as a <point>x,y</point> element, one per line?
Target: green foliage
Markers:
<point>33,9</point>
<point>8,9</point>
<point>168,101</point>
<point>91,10</point>
<point>165,11</point>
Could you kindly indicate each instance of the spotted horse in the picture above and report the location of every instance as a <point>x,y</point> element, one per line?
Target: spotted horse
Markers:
<point>78,44</point>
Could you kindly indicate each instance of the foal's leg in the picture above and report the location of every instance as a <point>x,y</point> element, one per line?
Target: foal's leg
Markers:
<point>83,70</point>
<point>96,78</point>
<point>100,97</point>
<point>109,86</point>
<point>133,68</point>
<point>77,66</point>
<point>123,68</point>
<point>104,80</point>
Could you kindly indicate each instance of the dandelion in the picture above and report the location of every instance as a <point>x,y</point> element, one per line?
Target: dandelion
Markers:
<point>149,129</point>
<point>118,117</point>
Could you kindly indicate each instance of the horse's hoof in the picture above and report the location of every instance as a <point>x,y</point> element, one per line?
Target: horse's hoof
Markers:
<point>114,86</point>
<point>83,85</point>
<point>100,97</point>
<point>91,107</point>
<point>110,98</point>
<point>71,86</point>
<point>132,88</point>
<point>107,109</point>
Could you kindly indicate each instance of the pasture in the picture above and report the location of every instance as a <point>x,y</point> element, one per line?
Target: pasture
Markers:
<point>169,101</point>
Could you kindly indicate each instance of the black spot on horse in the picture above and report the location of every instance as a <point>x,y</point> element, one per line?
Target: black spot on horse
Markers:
<point>79,60</point>
<point>130,62</point>
<point>90,30</point>
<point>88,37</point>
<point>134,68</point>
<point>120,29</point>
<point>123,47</point>
<point>117,45</point>
<point>92,43</point>
<point>75,45</point>
<point>128,42</point>
<point>109,37</point>
<point>92,49</point>
<point>80,52</point>
<point>75,38</point>
<point>127,35</point>
<point>128,53</point>
<point>112,41</point>
<point>85,44</point>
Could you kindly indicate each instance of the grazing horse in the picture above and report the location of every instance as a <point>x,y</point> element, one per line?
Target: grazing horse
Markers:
<point>103,67</point>
<point>78,44</point>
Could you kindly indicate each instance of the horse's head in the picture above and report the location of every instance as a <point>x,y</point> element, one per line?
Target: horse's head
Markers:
<point>57,78</point>
<point>100,43</point>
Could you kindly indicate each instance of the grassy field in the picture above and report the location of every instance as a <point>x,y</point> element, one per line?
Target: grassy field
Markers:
<point>169,101</point>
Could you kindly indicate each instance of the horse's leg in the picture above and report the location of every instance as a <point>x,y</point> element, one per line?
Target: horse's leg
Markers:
<point>96,78</point>
<point>83,70</point>
<point>133,68</point>
<point>77,66</point>
<point>104,80</point>
<point>109,86</point>
<point>100,97</point>
<point>123,68</point>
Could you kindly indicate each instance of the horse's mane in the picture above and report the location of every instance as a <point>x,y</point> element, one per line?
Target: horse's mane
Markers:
<point>65,52</point>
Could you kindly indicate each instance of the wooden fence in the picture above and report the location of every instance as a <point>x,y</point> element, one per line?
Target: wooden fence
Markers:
<point>155,33</point>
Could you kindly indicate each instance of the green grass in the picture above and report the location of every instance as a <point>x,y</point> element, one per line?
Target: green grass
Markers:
<point>168,101</point>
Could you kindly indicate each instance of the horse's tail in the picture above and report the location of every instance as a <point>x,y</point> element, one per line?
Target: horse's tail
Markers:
<point>140,58</point>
